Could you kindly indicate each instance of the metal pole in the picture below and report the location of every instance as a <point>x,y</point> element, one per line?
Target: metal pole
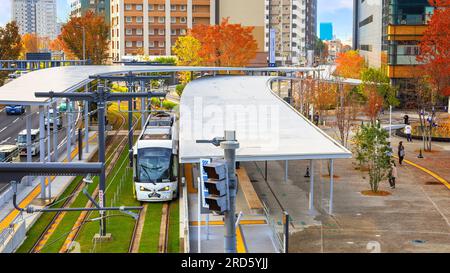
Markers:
<point>390,122</point>
<point>230,145</point>
<point>330,211</point>
<point>286,170</point>
<point>199,217</point>
<point>130,132</point>
<point>28,127</point>
<point>69,128</point>
<point>55,131</point>
<point>311,187</point>
<point>42,146</point>
<point>80,144</point>
<point>49,150</point>
<point>86,122</point>
<point>101,156</point>
<point>142,107</point>
<point>286,231</point>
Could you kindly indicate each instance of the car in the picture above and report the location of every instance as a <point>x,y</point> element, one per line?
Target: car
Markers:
<point>17,74</point>
<point>9,153</point>
<point>21,142</point>
<point>15,109</point>
<point>49,122</point>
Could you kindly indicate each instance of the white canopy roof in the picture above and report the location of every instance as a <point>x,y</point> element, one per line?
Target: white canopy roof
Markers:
<point>267,127</point>
<point>63,79</point>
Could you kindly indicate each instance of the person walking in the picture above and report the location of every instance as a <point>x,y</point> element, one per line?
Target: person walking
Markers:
<point>316,119</point>
<point>408,130</point>
<point>392,175</point>
<point>401,152</point>
<point>406,119</point>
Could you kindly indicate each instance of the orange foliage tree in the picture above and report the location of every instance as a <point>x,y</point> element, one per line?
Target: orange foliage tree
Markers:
<point>30,43</point>
<point>97,37</point>
<point>225,44</point>
<point>349,64</point>
<point>435,48</point>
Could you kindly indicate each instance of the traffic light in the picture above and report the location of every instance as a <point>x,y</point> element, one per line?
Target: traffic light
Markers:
<point>217,186</point>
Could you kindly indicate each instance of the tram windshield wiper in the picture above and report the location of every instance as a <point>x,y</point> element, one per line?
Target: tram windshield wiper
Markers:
<point>146,173</point>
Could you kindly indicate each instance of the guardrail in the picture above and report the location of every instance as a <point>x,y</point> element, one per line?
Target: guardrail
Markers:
<point>12,236</point>
<point>30,65</point>
<point>185,231</point>
<point>277,237</point>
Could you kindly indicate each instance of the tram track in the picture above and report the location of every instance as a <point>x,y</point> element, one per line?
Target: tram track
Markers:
<point>137,231</point>
<point>164,228</point>
<point>113,158</point>
<point>58,217</point>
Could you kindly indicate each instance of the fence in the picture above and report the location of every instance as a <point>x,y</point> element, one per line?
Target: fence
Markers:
<point>12,236</point>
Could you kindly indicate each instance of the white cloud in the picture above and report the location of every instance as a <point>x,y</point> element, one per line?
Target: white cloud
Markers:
<point>331,6</point>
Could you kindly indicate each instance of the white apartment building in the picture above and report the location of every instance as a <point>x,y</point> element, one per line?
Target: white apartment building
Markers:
<point>295,25</point>
<point>35,16</point>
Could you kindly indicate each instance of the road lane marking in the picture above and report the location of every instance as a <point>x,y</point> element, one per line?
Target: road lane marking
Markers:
<point>6,140</point>
<point>15,120</point>
<point>4,128</point>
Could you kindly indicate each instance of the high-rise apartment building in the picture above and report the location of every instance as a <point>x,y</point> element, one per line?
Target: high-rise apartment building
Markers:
<point>80,7</point>
<point>151,27</point>
<point>35,16</point>
<point>387,34</point>
<point>295,25</point>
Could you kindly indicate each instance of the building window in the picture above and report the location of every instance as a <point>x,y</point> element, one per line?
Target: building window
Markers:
<point>161,32</point>
<point>128,7</point>
<point>129,31</point>
<point>139,19</point>
<point>182,32</point>
<point>128,19</point>
<point>161,44</point>
<point>160,7</point>
<point>366,21</point>
<point>366,47</point>
<point>173,7</point>
<point>129,44</point>
<point>151,31</point>
<point>173,20</point>
<point>138,7</point>
<point>139,44</point>
<point>151,44</point>
<point>139,31</point>
<point>173,32</point>
<point>161,20</point>
<point>183,20</point>
<point>150,7</point>
<point>183,7</point>
<point>151,19</point>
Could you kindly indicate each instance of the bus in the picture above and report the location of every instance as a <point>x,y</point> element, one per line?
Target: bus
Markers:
<point>9,153</point>
<point>155,164</point>
<point>22,142</point>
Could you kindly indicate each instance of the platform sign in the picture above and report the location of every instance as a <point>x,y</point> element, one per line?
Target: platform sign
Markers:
<point>203,177</point>
<point>272,60</point>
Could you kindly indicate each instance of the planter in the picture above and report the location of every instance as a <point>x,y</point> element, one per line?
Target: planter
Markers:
<point>400,133</point>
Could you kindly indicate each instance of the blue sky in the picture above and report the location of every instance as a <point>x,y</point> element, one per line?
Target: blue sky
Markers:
<point>339,12</point>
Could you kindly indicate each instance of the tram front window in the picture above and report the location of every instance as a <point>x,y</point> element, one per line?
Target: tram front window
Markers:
<point>154,165</point>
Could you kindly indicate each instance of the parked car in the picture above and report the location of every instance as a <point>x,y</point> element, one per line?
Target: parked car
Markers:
<point>17,74</point>
<point>15,109</point>
<point>50,122</point>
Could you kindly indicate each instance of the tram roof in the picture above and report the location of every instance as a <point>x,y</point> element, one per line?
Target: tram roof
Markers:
<point>21,91</point>
<point>267,127</point>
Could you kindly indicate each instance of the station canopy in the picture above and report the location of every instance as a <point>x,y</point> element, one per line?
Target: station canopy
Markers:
<point>266,126</point>
<point>69,78</point>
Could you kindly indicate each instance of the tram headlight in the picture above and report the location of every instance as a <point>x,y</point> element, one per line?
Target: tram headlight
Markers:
<point>166,188</point>
<point>141,188</point>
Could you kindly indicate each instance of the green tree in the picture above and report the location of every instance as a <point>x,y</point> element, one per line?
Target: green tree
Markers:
<point>373,151</point>
<point>10,45</point>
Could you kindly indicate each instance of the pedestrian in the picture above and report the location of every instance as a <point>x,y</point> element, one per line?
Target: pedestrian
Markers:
<point>408,130</point>
<point>392,175</point>
<point>406,119</point>
<point>401,152</point>
<point>316,118</point>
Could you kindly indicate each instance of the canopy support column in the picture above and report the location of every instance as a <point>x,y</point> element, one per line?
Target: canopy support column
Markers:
<point>286,170</point>
<point>42,146</point>
<point>86,121</point>
<point>330,209</point>
<point>143,106</point>
<point>49,150</point>
<point>28,148</point>
<point>55,131</point>
<point>69,128</point>
<point>311,187</point>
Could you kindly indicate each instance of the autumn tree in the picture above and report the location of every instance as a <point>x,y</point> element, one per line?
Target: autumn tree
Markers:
<point>225,44</point>
<point>349,64</point>
<point>96,31</point>
<point>187,49</point>
<point>58,45</point>
<point>377,92</point>
<point>30,43</point>
<point>435,48</point>
<point>10,45</point>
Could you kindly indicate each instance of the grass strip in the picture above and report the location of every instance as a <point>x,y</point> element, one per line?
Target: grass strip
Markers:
<point>150,232</point>
<point>174,228</point>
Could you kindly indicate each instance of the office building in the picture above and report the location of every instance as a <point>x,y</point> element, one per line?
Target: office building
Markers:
<point>35,16</point>
<point>387,34</point>
<point>295,26</point>
<point>326,31</point>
